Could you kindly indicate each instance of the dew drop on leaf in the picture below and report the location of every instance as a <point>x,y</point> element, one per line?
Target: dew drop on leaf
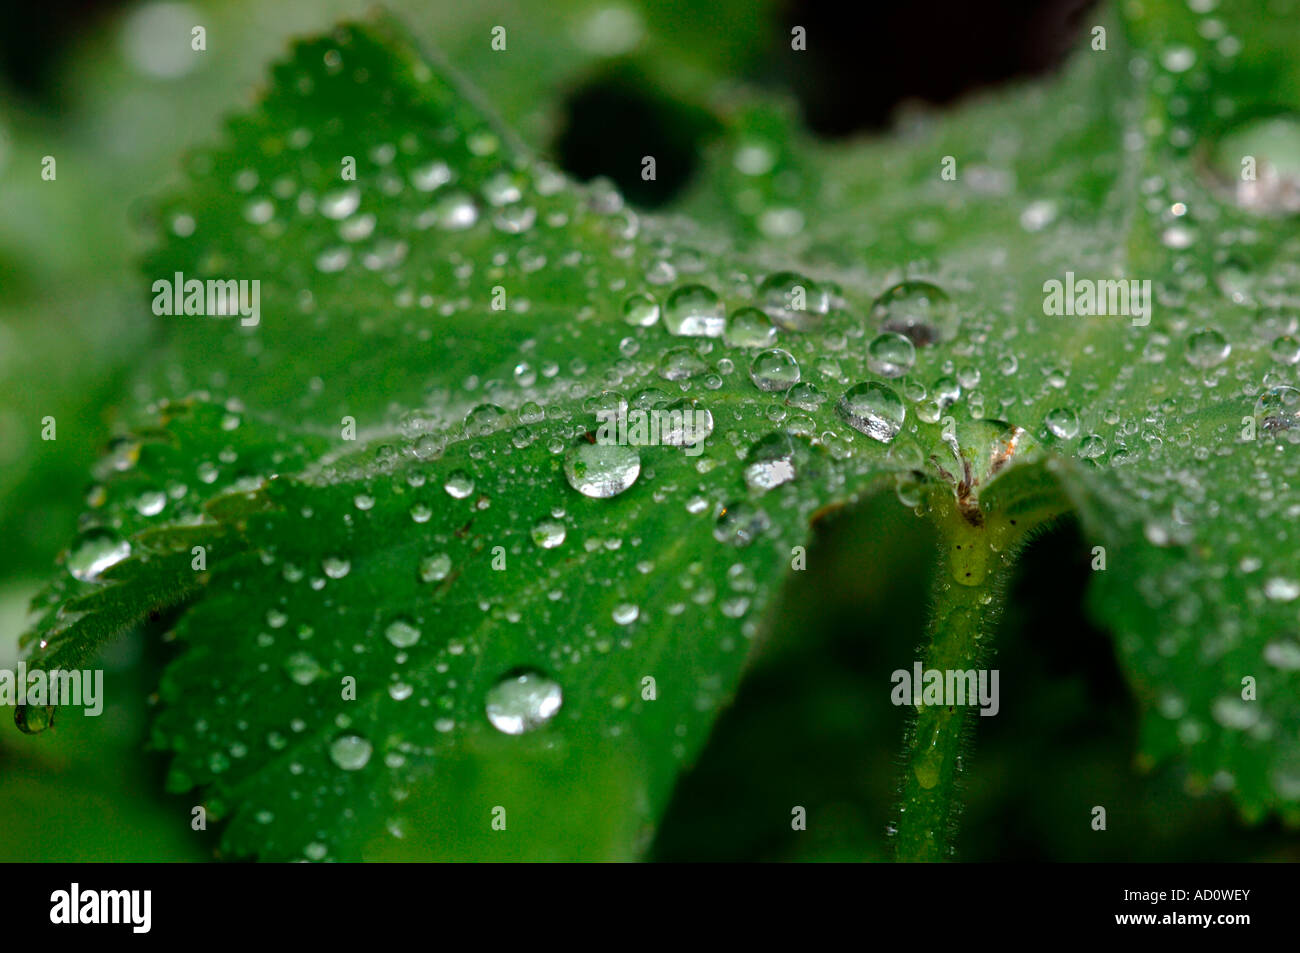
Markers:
<point>749,327</point>
<point>1063,422</point>
<point>33,719</point>
<point>548,534</point>
<point>459,484</point>
<point>873,409</point>
<point>694,311</point>
<point>641,310</point>
<point>918,309</point>
<point>435,568</point>
<point>94,553</point>
<point>350,752</point>
<point>774,370</point>
<point>522,701</point>
<point>770,462</point>
<point>891,354</point>
<point>601,470</point>
<point>1207,349</point>
<point>402,633</point>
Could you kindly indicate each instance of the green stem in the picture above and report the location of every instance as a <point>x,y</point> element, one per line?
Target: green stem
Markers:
<point>967,598</point>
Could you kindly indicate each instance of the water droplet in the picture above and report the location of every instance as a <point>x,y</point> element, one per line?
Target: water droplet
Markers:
<point>548,534</point>
<point>1063,422</point>
<point>1283,654</point>
<point>522,701</point>
<point>793,301</point>
<point>302,668</point>
<point>740,524</point>
<point>459,484</point>
<point>1282,590</point>
<point>95,553</point>
<point>641,310</point>
<point>350,752</point>
<point>1278,410</point>
<point>335,567</point>
<point>483,420</point>
<point>918,309</point>
<point>749,327</point>
<point>770,462</point>
<point>402,633</point>
<point>339,205</point>
<point>774,370</point>
<point>601,470</point>
<point>33,719</point>
<point>891,354</point>
<point>1207,349</point>
<point>680,363</point>
<point>626,613</point>
<point>873,409</point>
<point>684,423</point>
<point>694,311</point>
<point>435,568</point>
<point>1272,146</point>
<point>1286,350</point>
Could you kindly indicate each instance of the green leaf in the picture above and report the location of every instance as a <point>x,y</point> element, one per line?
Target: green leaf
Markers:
<point>385,470</point>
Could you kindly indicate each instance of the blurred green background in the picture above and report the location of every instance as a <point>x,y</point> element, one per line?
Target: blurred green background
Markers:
<point>112,91</point>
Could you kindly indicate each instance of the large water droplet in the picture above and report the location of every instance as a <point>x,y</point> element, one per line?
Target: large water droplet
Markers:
<point>94,553</point>
<point>33,719</point>
<point>1278,410</point>
<point>350,752</point>
<point>774,370</point>
<point>459,484</point>
<point>680,363</point>
<point>547,534</point>
<point>601,470</point>
<point>1063,422</point>
<point>918,309</point>
<point>750,327</point>
<point>694,311</point>
<point>1260,159</point>
<point>402,633</point>
<point>793,301</point>
<point>873,409</point>
<point>770,462</point>
<point>891,354</point>
<point>641,310</point>
<point>1207,349</point>
<point>523,701</point>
